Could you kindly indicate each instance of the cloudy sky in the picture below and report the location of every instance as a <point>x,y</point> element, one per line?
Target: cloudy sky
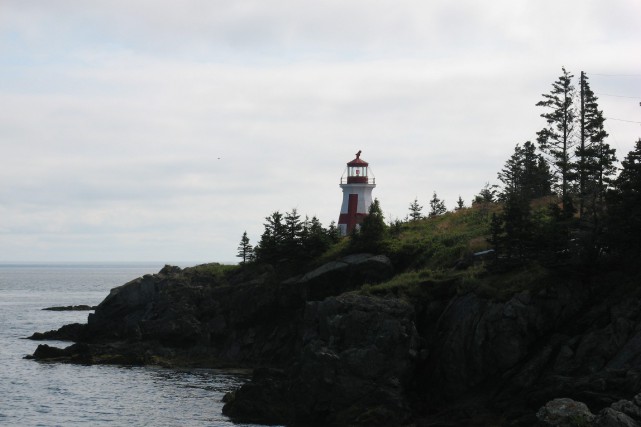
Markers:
<point>151,130</point>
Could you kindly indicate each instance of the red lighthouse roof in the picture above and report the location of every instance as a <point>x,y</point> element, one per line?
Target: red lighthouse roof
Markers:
<point>358,161</point>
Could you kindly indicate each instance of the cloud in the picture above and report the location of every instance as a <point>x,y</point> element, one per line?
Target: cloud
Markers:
<point>160,131</point>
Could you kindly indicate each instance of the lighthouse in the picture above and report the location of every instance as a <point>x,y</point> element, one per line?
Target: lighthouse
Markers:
<point>357,194</point>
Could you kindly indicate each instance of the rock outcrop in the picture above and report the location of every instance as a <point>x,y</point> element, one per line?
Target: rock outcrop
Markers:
<point>81,307</point>
<point>355,366</point>
<point>244,318</point>
<point>326,353</point>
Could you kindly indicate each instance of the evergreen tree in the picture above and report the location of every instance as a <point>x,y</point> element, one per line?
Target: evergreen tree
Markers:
<point>293,228</point>
<point>554,234</point>
<point>372,231</point>
<point>415,211</point>
<point>333,232</point>
<point>290,244</point>
<point>486,195</point>
<point>596,159</point>
<point>624,205</point>
<point>245,249</point>
<point>496,234</point>
<point>270,246</point>
<point>316,239</point>
<point>556,139</point>
<point>437,206</point>
<point>460,204</point>
<point>511,174</point>
<point>517,226</point>
<point>525,173</point>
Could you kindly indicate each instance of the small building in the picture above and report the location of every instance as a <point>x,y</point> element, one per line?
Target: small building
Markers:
<point>357,183</point>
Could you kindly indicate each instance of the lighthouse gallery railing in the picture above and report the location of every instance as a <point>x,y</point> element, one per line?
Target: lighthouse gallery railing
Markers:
<point>358,180</point>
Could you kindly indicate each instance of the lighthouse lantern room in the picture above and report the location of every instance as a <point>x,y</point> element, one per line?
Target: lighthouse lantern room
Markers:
<point>357,189</point>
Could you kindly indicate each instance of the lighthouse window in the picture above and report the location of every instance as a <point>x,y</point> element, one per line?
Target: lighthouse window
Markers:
<point>357,171</point>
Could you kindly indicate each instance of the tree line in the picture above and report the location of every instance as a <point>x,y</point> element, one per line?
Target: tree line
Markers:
<point>289,241</point>
<point>560,197</point>
<point>592,212</point>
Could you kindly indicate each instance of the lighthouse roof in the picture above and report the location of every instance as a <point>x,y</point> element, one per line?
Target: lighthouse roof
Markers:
<point>358,161</point>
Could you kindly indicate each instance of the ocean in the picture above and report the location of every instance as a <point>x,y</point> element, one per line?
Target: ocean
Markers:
<point>51,394</point>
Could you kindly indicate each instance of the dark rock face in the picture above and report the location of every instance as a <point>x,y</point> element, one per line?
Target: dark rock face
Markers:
<point>477,342</point>
<point>243,320</point>
<point>333,357</point>
<point>346,274</point>
<point>357,359</point>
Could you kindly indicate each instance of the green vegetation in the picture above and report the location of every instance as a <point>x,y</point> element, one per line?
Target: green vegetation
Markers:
<point>214,272</point>
<point>560,214</point>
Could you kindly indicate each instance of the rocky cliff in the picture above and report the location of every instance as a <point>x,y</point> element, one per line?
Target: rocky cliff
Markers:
<point>330,354</point>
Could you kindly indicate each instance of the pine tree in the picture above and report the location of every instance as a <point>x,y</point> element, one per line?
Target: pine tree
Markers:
<point>556,139</point>
<point>525,173</point>
<point>486,195</point>
<point>315,239</point>
<point>624,205</point>
<point>460,204</point>
<point>596,159</point>
<point>270,246</point>
<point>293,228</point>
<point>511,174</point>
<point>372,231</point>
<point>437,206</point>
<point>415,211</point>
<point>245,249</point>
<point>517,226</point>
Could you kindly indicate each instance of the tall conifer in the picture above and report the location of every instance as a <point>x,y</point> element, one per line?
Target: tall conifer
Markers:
<point>245,249</point>
<point>556,139</point>
<point>596,159</point>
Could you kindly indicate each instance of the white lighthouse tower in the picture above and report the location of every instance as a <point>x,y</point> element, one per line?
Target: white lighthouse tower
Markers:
<point>357,194</point>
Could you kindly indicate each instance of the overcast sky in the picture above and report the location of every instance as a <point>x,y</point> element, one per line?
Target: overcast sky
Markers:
<point>151,130</point>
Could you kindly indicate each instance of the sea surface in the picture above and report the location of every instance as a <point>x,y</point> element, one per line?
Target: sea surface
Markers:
<point>51,394</point>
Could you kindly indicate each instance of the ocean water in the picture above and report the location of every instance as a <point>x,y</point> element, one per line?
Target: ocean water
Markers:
<point>51,394</point>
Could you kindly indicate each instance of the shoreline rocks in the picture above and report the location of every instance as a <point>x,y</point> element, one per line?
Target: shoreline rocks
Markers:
<point>70,332</point>
<point>81,307</point>
<point>565,412</point>
<point>325,353</point>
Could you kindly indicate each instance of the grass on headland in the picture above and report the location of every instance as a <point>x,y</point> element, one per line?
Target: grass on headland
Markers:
<point>434,256</point>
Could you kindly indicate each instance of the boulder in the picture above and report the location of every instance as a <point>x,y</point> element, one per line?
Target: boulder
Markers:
<point>564,412</point>
<point>629,408</point>
<point>609,417</point>
<point>76,353</point>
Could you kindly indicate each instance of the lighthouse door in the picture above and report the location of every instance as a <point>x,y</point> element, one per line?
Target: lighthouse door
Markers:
<point>352,209</point>
<point>352,204</point>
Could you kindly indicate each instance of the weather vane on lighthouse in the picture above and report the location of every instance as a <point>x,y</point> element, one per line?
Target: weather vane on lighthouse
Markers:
<point>357,194</point>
